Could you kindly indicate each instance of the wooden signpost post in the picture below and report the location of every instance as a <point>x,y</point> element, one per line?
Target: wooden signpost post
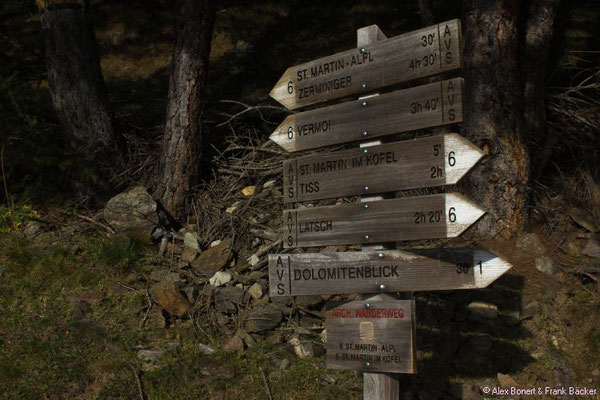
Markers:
<point>427,162</point>
<point>376,335</point>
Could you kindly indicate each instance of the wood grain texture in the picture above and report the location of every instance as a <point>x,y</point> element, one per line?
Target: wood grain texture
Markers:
<point>399,271</point>
<point>426,162</point>
<point>376,334</point>
<point>411,218</point>
<point>426,106</point>
<point>403,58</point>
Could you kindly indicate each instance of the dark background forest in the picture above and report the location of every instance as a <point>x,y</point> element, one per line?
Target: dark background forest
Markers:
<point>78,309</point>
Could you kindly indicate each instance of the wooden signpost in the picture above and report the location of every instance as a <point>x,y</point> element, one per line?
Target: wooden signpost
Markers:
<point>426,106</point>
<point>418,54</point>
<point>425,217</point>
<point>306,274</point>
<point>427,162</point>
<point>377,334</point>
<point>372,335</point>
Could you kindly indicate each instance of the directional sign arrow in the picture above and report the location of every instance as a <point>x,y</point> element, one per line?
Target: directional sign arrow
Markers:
<point>418,54</point>
<point>420,107</point>
<point>410,218</point>
<point>426,162</point>
<point>383,271</point>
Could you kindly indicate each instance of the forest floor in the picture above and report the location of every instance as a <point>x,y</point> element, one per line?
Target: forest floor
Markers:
<point>76,317</point>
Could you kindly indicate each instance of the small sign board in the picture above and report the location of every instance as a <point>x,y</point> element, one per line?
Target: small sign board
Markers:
<point>409,218</point>
<point>427,162</point>
<point>417,54</point>
<point>376,334</point>
<point>306,274</point>
<point>426,106</point>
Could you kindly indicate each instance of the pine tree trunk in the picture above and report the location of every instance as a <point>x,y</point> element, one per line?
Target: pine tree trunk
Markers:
<point>74,75</point>
<point>180,153</point>
<point>493,115</point>
<point>506,49</point>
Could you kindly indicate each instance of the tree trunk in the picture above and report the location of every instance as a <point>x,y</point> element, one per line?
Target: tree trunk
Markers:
<point>74,75</point>
<point>535,47</point>
<point>493,114</point>
<point>506,49</point>
<point>180,153</point>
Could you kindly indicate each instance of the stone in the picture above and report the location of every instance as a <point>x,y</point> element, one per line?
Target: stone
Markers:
<point>247,338</point>
<point>529,310</point>
<point>323,336</point>
<point>263,318</point>
<point>188,254</point>
<point>191,293</point>
<point>269,184</point>
<point>220,278</point>
<point>212,260</point>
<point>235,343</point>
<point>167,295</point>
<point>256,291</point>
<point>302,348</point>
<point>151,359</point>
<point>309,301</point>
<point>32,229</point>
<point>248,190</point>
<point>227,298</point>
<point>506,381</point>
<point>231,210</point>
<point>253,260</point>
<point>483,310</point>
<point>158,233</point>
<point>591,248</point>
<point>205,349</point>
<point>546,265</point>
<point>132,211</point>
<point>190,240</point>
<point>531,243</point>
<point>215,243</point>
<point>583,219</point>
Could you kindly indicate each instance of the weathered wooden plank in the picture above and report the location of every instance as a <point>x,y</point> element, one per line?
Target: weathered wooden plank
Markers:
<point>417,54</point>
<point>376,334</point>
<point>426,162</point>
<point>410,218</point>
<point>426,106</point>
<point>383,271</point>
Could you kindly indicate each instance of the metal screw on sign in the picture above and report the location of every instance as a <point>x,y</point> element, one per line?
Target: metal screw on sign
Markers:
<point>368,305</point>
<point>362,50</point>
<point>364,103</point>
<point>365,151</point>
<point>364,86</point>
<point>365,206</point>
<point>365,134</point>
<point>382,287</point>
<point>367,237</point>
<point>381,255</point>
<point>367,364</point>
<point>365,189</point>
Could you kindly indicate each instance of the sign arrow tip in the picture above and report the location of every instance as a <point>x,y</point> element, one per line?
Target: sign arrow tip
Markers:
<point>488,267</point>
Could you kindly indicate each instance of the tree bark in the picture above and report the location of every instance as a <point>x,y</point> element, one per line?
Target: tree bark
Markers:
<point>493,114</point>
<point>180,152</point>
<point>506,51</point>
<point>539,16</point>
<point>74,76</point>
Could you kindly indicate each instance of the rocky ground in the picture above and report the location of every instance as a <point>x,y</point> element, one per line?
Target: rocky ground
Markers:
<point>114,305</point>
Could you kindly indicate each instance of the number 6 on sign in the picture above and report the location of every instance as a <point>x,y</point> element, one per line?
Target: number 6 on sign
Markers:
<point>459,214</point>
